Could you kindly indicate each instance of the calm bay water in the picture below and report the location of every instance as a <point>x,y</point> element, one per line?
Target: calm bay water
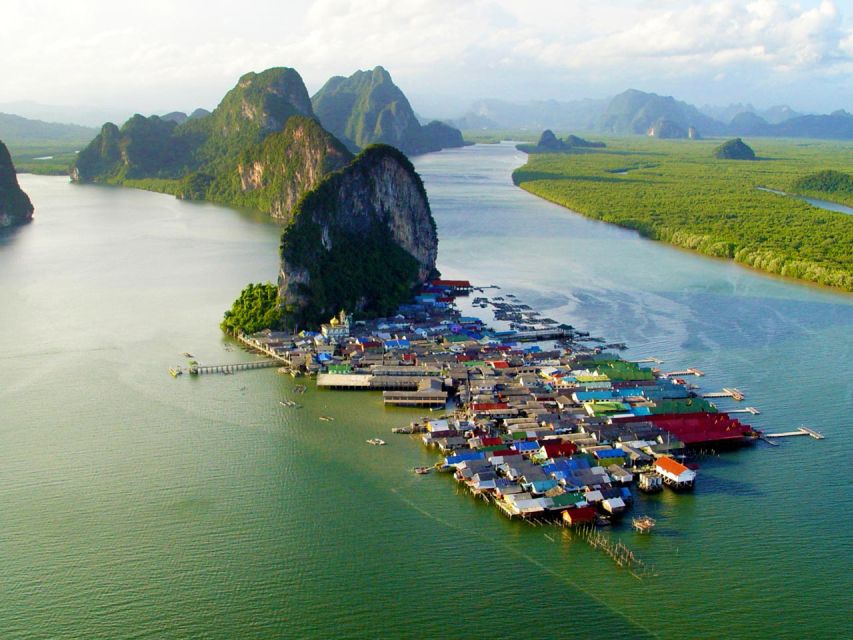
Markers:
<point>134,505</point>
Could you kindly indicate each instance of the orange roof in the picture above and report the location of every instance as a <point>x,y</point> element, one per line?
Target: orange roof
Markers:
<point>668,464</point>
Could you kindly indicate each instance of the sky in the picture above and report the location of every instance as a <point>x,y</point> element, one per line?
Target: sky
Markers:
<point>163,55</point>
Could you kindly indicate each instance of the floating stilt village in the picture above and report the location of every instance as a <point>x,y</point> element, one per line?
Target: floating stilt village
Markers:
<point>544,421</point>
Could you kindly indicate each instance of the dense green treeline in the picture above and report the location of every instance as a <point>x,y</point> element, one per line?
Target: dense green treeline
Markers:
<point>835,183</point>
<point>677,192</point>
<point>256,309</point>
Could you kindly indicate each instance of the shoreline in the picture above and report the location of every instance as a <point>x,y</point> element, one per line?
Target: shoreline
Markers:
<point>693,252</point>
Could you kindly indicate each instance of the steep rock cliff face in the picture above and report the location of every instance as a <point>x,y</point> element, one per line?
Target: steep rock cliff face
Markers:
<point>260,103</point>
<point>15,205</point>
<point>360,241</point>
<point>368,108</point>
<point>274,175</point>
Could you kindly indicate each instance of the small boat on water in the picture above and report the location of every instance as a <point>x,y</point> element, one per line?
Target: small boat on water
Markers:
<point>422,470</point>
<point>402,430</point>
<point>175,371</point>
<point>187,354</point>
<point>326,418</point>
<point>289,403</point>
<point>376,441</point>
<point>300,388</point>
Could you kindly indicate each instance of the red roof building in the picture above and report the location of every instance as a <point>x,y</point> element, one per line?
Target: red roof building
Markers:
<point>579,515</point>
<point>488,406</point>
<point>558,449</point>
<point>698,428</point>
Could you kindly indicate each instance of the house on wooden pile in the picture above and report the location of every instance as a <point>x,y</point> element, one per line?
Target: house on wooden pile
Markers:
<point>675,474</point>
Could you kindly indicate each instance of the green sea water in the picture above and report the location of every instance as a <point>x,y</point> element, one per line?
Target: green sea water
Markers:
<point>134,505</point>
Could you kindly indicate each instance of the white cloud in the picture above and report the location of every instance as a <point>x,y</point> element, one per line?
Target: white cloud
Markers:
<point>163,53</point>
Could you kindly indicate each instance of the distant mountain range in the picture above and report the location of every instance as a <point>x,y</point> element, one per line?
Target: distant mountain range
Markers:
<point>581,115</point>
<point>641,113</point>
<point>15,130</point>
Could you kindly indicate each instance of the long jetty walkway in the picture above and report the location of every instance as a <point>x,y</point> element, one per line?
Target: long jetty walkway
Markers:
<point>233,368</point>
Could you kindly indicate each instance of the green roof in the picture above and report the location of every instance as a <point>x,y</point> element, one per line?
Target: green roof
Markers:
<point>339,368</point>
<point>682,405</point>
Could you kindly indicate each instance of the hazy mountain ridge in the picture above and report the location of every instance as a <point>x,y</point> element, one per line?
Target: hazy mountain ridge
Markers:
<point>635,112</point>
<point>17,130</point>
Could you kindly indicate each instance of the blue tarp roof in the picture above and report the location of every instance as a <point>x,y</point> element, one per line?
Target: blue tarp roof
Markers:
<point>540,486</point>
<point>462,456</point>
<point>610,453</point>
<point>641,411</point>
<point>525,446</point>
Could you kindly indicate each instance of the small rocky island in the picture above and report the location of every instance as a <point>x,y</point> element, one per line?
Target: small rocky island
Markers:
<point>549,143</point>
<point>734,149</point>
<point>15,206</point>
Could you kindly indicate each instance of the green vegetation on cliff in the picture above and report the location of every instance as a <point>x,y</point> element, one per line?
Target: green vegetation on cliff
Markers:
<point>272,175</point>
<point>677,192</point>
<point>369,108</point>
<point>15,205</point>
<point>256,309</point>
<point>259,148</point>
<point>154,147</point>
<point>340,250</point>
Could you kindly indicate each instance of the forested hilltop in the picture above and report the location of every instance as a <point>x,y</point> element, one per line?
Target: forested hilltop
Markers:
<point>679,193</point>
<point>368,108</point>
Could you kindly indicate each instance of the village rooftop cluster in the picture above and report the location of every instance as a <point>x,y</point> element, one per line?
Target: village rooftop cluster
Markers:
<point>540,418</point>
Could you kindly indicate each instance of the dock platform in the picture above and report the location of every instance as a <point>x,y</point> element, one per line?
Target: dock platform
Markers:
<point>734,394</point>
<point>801,431</point>
<point>686,372</point>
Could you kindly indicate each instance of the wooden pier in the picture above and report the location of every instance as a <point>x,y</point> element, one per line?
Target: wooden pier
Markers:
<point>233,368</point>
<point>751,410</point>
<point>542,334</point>
<point>686,372</point>
<point>801,431</point>
<point>734,394</point>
